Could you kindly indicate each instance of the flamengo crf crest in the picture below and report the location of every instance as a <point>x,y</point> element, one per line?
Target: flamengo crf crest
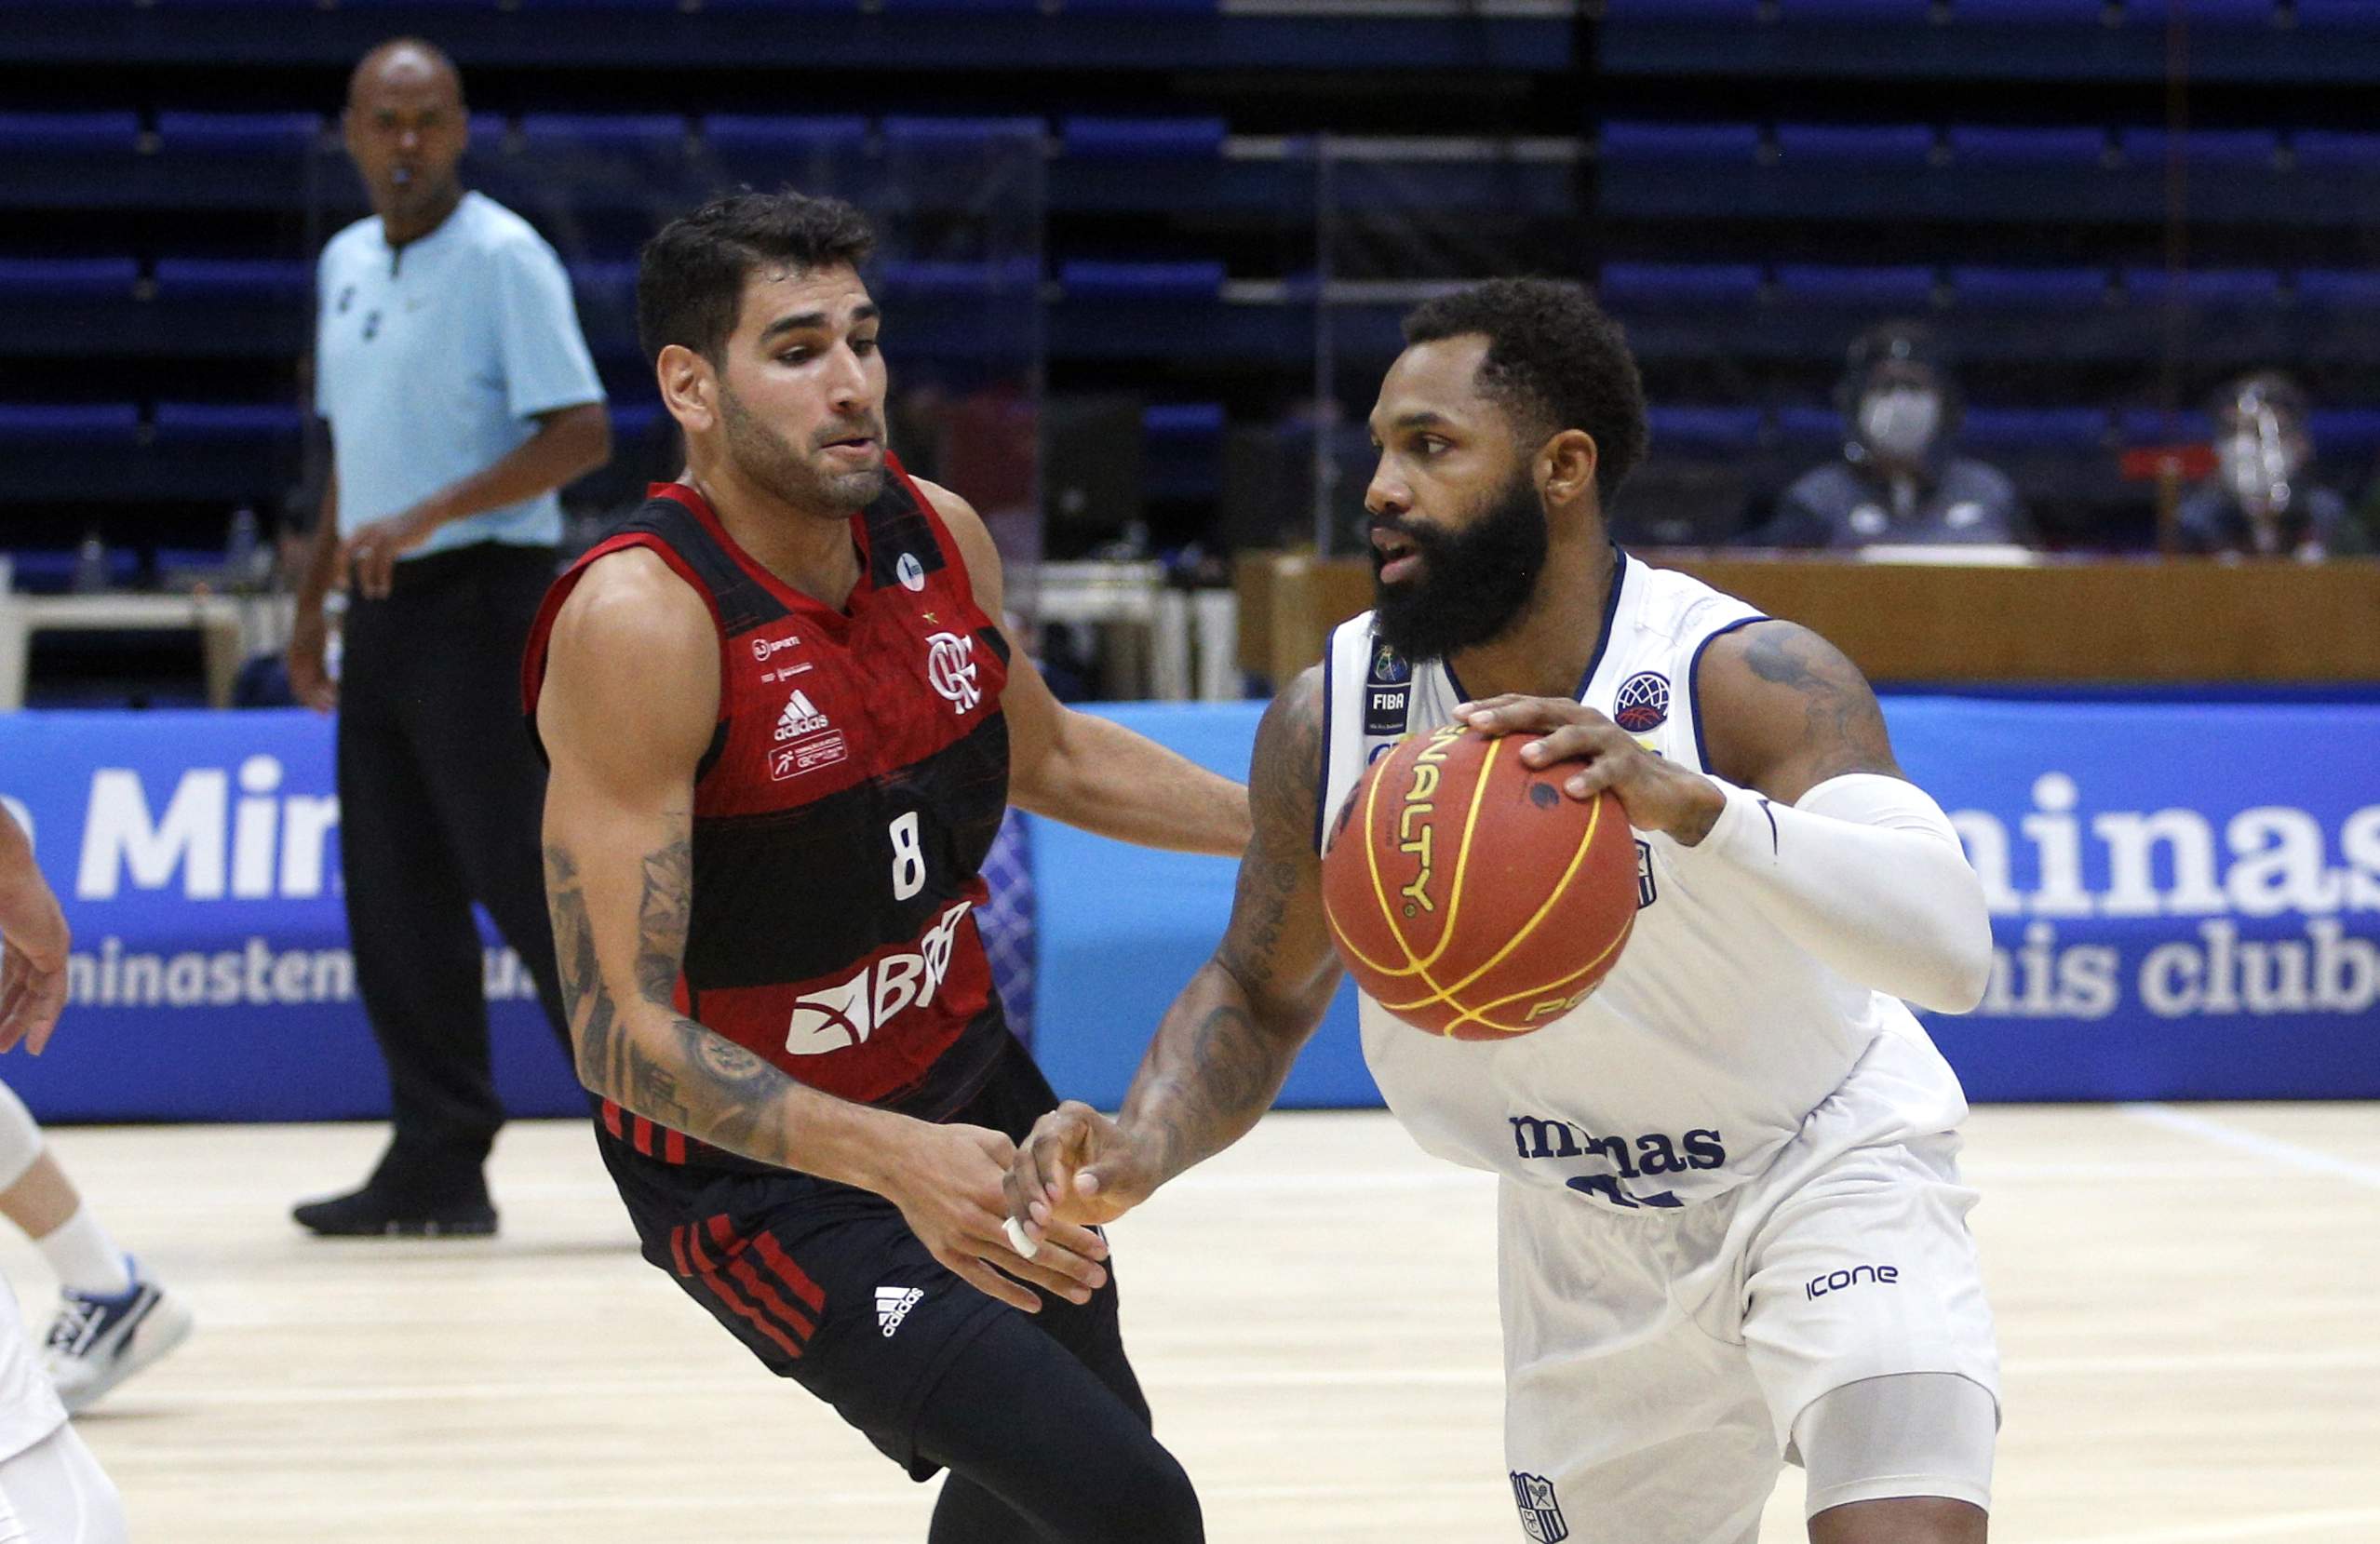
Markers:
<point>1541,1512</point>
<point>950,666</point>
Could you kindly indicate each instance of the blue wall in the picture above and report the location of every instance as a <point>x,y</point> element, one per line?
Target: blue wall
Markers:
<point>2186,906</point>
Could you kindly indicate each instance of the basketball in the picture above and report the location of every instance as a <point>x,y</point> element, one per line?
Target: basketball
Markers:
<point>1468,895</point>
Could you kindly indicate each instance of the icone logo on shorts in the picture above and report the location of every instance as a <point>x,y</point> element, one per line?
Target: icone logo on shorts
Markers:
<point>846,1015</point>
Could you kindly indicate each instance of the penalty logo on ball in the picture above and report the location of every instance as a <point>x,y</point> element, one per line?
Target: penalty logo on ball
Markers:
<point>1642,703</point>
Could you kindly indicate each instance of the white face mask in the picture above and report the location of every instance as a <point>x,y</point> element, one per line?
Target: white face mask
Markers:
<point>2256,462</point>
<point>1901,421</point>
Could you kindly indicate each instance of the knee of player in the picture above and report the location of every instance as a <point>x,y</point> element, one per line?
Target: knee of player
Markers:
<point>1157,1504</point>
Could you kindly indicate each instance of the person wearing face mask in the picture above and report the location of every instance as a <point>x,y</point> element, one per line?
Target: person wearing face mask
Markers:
<point>2261,502</point>
<point>1896,481</point>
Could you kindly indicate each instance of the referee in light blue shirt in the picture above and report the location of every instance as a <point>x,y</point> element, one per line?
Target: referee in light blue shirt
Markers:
<point>460,397</point>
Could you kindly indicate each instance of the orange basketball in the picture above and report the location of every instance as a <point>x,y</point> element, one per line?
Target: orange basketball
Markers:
<point>1469,895</point>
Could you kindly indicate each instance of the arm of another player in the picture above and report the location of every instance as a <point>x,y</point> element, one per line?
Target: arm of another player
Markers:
<point>32,963</point>
<point>1807,804</point>
<point>624,742</point>
<point>1084,769</point>
<point>1227,1041</point>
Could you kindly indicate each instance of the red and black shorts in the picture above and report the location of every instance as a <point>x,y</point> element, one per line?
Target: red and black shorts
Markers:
<point>828,1286</point>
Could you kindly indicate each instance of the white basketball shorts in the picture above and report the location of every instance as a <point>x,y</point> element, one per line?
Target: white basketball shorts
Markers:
<point>1656,1360</point>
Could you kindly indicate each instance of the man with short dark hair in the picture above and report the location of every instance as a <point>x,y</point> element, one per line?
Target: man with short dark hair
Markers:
<point>785,721</point>
<point>460,398</point>
<point>1730,1220</point>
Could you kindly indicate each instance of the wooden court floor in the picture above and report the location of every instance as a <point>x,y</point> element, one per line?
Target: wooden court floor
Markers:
<point>2189,1298</point>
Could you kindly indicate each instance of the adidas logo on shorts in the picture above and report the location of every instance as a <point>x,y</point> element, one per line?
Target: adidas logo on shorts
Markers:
<point>893,1305</point>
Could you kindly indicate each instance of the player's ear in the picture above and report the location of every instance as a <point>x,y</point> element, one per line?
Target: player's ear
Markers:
<point>689,387</point>
<point>1565,467</point>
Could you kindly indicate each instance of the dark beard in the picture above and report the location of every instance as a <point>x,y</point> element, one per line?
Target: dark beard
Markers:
<point>1474,583</point>
<point>767,459</point>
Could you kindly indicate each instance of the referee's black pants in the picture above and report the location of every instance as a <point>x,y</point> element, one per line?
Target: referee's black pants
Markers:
<point>440,798</point>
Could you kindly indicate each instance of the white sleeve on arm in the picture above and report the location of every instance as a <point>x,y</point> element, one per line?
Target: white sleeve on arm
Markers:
<point>1867,873</point>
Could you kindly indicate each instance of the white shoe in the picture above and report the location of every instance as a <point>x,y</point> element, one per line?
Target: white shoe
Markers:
<point>97,1342</point>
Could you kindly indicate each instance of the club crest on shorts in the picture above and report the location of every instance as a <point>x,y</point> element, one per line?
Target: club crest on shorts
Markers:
<point>1541,1512</point>
<point>1643,702</point>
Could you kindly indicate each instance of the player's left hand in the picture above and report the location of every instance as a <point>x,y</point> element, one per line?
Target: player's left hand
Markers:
<point>1657,794</point>
<point>33,973</point>
<point>371,554</point>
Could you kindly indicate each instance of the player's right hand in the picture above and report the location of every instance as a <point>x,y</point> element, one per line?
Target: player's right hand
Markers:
<point>32,966</point>
<point>1076,1166</point>
<point>949,1189</point>
<point>309,666</point>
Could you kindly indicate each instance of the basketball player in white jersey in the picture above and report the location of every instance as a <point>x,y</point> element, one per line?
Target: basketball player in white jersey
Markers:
<point>52,1490</point>
<point>1733,1229</point>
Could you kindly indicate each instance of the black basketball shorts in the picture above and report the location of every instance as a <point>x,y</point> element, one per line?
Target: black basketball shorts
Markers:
<point>826,1284</point>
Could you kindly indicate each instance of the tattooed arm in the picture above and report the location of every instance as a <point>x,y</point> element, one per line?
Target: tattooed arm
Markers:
<point>1784,711</point>
<point>1227,1041</point>
<point>628,707</point>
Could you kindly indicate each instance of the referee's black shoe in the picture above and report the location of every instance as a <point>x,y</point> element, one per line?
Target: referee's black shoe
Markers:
<point>382,1211</point>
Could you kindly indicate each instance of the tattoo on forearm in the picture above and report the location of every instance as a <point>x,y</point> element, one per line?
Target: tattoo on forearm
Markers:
<point>1220,1057</point>
<point>711,1088</point>
<point>1843,727</point>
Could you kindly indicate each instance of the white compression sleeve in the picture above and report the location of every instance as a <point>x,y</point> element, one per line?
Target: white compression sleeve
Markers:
<point>1867,873</point>
<point>20,1138</point>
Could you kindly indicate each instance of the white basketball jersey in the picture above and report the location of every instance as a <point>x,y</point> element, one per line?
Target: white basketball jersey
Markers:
<point>1713,1037</point>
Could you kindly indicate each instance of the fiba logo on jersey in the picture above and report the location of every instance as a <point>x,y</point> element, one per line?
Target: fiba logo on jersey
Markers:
<point>1541,1511</point>
<point>1643,702</point>
<point>950,666</point>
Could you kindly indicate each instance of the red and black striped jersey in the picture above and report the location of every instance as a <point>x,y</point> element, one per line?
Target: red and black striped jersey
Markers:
<point>842,810</point>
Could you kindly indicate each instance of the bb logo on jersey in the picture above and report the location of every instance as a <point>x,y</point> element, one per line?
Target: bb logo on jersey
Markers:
<point>950,666</point>
<point>842,1017</point>
<point>1642,703</point>
<point>1541,1516</point>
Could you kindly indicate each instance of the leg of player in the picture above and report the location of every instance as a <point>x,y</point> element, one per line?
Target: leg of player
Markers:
<point>1040,1449</point>
<point>111,1322</point>
<point>55,1492</point>
<point>1901,1459</point>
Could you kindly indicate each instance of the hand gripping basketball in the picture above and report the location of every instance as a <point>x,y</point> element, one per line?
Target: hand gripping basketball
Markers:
<point>1657,794</point>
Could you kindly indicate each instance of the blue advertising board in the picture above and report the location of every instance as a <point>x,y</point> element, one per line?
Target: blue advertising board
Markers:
<point>2186,901</point>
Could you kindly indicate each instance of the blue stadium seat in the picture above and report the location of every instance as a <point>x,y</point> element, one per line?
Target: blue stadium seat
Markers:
<point>2029,290</point>
<point>648,133</point>
<point>740,134</point>
<point>1144,138</point>
<point>1191,421</point>
<point>1808,429</point>
<point>1152,281</point>
<point>2239,148</point>
<point>2029,13</point>
<point>2332,289</point>
<point>2360,16</point>
<point>36,280</point>
<point>233,279</point>
<point>956,135</point>
<point>1912,13</point>
<point>2227,15</point>
<point>2235,289</point>
<point>1174,8</point>
<point>1839,144</point>
<point>2354,431</point>
<point>2325,150</point>
<point>1016,6</point>
<point>942,277</point>
<point>605,284</point>
<point>2151,427</point>
<point>1625,287</point>
<point>1632,11</point>
<point>42,133</point>
<point>219,134</point>
<point>1876,290</point>
<point>1719,429</point>
<point>116,423</point>
<point>2073,430</point>
<point>259,424</point>
<point>1690,143</point>
<point>1975,144</point>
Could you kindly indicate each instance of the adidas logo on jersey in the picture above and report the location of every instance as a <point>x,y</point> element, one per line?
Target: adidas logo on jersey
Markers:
<point>800,717</point>
<point>893,1305</point>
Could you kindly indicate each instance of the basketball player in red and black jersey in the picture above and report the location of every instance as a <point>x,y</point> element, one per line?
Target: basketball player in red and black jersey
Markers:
<point>783,723</point>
